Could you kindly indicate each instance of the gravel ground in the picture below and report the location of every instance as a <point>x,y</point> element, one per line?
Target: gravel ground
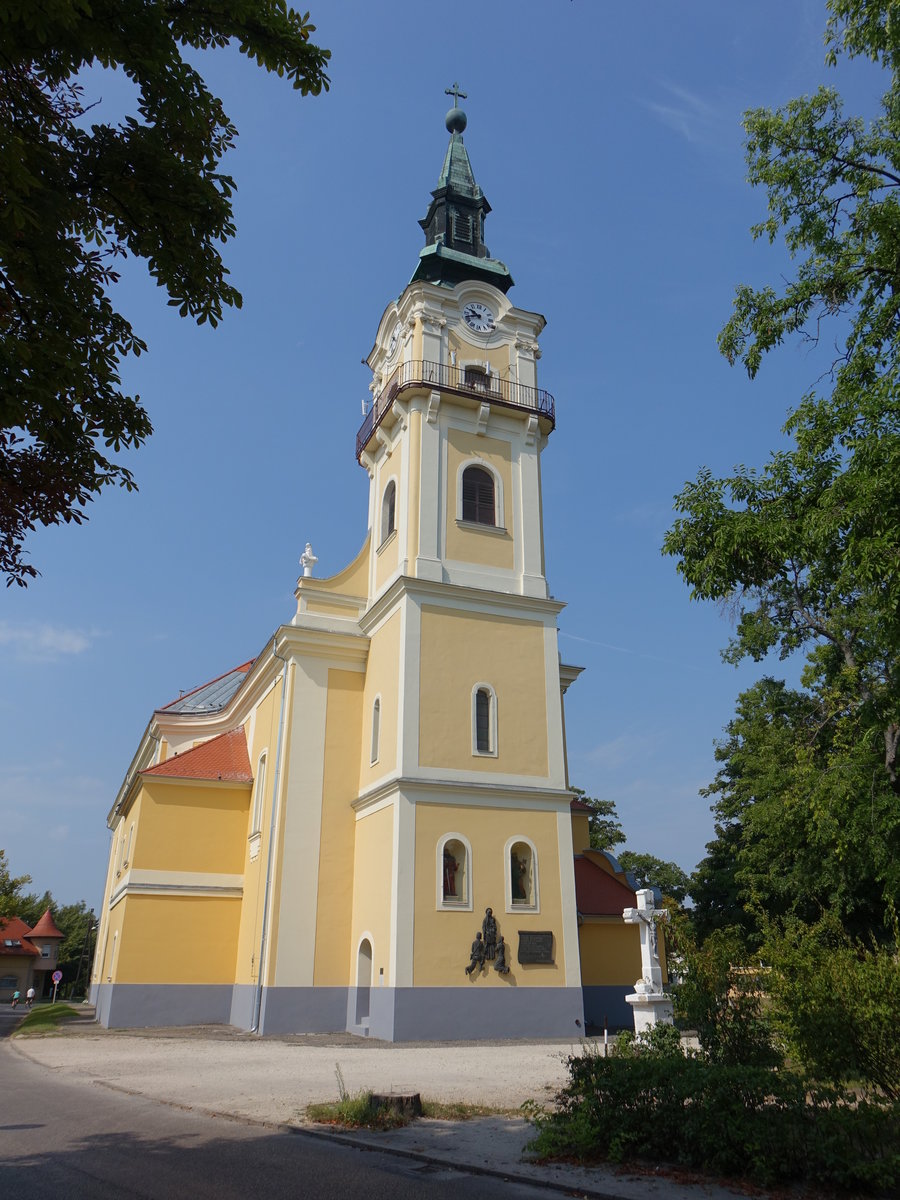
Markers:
<point>270,1080</point>
<point>219,1070</point>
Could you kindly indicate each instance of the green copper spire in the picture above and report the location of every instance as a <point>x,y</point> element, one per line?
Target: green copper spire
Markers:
<point>454,224</point>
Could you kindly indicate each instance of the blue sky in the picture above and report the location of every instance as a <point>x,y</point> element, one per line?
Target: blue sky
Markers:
<point>607,139</point>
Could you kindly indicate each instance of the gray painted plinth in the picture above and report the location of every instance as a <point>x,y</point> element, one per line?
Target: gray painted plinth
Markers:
<point>393,1014</point>
<point>472,1013</point>
<point>303,1010</point>
<point>242,1001</point>
<point>606,1005</point>
<point>149,1005</point>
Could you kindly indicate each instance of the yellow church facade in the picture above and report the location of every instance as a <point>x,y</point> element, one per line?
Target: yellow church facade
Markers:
<point>369,826</point>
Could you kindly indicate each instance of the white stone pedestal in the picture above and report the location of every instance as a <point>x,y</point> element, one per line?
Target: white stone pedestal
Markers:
<point>650,1007</point>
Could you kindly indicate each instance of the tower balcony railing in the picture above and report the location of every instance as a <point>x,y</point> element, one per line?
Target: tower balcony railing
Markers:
<point>462,381</point>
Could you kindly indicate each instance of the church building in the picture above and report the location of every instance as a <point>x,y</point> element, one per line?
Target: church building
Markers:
<point>369,826</point>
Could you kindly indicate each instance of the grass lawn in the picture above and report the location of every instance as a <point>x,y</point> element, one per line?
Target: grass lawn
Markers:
<point>45,1018</point>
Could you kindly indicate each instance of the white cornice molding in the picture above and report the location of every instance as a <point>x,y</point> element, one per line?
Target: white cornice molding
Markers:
<point>567,675</point>
<point>455,595</point>
<point>434,791</point>
<point>189,781</point>
<point>179,883</point>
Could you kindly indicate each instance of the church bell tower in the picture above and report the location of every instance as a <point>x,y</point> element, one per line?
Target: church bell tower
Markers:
<point>463,787</point>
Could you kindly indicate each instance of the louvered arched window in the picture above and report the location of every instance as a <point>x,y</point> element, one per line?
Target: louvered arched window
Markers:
<point>478,503</point>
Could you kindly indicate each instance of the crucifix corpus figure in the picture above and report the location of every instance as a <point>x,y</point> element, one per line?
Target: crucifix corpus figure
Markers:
<point>644,916</point>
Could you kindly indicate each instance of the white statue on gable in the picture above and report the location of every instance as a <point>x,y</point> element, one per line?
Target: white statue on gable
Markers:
<point>308,560</point>
<point>649,1002</point>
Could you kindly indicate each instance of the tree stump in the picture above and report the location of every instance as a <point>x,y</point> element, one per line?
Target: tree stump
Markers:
<point>404,1104</point>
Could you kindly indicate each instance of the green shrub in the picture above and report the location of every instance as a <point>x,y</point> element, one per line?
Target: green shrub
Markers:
<point>721,993</point>
<point>749,1121</point>
<point>836,1004</point>
<point>660,1041</point>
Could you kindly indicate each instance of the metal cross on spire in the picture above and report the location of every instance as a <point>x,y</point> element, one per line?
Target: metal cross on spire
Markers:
<point>456,94</point>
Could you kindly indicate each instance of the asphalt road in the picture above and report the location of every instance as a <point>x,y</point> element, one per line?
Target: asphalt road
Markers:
<point>85,1142</point>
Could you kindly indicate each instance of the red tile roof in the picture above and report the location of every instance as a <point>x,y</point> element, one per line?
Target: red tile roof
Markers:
<point>224,757</point>
<point>580,806</point>
<point>597,893</point>
<point>46,927</point>
<point>13,929</point>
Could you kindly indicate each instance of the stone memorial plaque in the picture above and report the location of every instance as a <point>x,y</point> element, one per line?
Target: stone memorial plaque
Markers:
<point>535,946</point>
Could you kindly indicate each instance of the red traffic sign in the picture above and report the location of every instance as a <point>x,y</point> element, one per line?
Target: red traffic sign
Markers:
<point>56,976</point>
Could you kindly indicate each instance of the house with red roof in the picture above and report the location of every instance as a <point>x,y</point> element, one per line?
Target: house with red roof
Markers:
<point>28,957</point>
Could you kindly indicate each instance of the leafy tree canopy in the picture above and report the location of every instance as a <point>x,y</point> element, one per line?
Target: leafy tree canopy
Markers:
<point>650,871</point>
<point>10,889</point>
<point>805,551</point>
<point>603,823</point>
<point>806,822</point>
<point>78,196</point>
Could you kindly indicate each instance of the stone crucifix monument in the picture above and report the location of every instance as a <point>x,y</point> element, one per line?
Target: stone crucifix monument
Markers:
<point>649,1003</point>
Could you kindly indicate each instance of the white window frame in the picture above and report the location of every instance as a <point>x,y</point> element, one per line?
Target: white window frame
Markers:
<point>519,907</point>
<point>375,730</point>
<point>464,904</point>
<point>493,738</point>
<point>385,536</point>
<point>129,846</point>
<point>499,510</point>
<point>258,792</point>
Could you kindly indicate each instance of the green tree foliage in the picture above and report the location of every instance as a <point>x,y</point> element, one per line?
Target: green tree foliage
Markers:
<point>835,1003</point>
<point>805,819</point>
<point>650,871</point>
<point>603,823</point>
<point>720,993</point>
<point>10,889</point>
<point>79,196</point>
<point>805,551</point>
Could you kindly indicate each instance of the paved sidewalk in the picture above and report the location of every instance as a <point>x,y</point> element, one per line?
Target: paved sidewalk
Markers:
<point>271,1081</point>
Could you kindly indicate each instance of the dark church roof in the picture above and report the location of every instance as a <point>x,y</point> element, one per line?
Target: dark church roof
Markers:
<point>210,697</point>
<point>454,224</point>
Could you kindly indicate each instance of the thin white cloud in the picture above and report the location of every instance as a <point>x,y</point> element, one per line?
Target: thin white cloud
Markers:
<point>690,116</point>
<point>43,643</point>
<point>672,662</point>
<point>617,751</point>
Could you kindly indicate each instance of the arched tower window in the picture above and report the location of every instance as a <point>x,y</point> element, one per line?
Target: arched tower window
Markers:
<point>478,502</point>
<point>521,875</point>
<point>484,719</point>
<point>376,728</point>
<point>389,511</point>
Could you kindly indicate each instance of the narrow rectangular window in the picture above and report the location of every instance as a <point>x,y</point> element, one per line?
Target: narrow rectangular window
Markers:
<point>483,721</point>
<point>258,795</point>
<point>376,729</point>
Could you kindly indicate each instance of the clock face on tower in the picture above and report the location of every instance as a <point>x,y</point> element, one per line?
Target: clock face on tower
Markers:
<point>478,317</point>
<point>395,338</point>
